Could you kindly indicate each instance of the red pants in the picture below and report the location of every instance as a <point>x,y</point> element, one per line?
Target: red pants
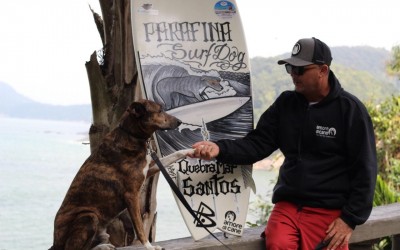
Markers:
<point>291,227</point>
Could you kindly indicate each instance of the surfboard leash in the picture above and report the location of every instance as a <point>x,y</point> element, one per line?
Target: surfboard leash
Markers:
<point>181,197</point>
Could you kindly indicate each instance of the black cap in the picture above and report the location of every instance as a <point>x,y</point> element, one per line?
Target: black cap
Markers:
<point>309,51</point>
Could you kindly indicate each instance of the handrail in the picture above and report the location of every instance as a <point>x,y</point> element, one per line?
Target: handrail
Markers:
<point>384,221</point>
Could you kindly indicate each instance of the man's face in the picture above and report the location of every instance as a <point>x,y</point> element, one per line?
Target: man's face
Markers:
<point>306,79</point>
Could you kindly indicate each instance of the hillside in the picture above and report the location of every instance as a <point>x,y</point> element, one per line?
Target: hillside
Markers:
<point>361,71</point>
<point>15,105</point>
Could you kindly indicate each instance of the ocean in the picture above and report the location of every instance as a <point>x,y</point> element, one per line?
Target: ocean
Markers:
<point>39,159</point>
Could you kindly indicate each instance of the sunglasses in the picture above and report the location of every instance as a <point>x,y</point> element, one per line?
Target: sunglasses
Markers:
<point>296,70</point>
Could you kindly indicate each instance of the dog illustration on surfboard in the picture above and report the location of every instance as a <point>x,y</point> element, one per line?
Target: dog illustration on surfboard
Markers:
<point>192,59</point>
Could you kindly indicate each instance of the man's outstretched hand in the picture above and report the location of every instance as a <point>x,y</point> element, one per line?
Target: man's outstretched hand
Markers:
<point>205,150</point>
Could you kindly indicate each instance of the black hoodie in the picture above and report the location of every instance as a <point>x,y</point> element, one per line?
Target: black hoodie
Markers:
<point>329,149</point>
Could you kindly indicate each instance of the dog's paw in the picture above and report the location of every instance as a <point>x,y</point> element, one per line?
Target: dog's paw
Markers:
<point>185,152</point>
<point>148,246</point>
<point>104,247</point>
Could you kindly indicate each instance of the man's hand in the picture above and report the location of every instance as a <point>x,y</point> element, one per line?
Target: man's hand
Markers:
<point>205,150</point>
<point>339,233</point>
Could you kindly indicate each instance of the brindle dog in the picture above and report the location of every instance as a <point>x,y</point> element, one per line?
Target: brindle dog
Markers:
<point>110,180</point>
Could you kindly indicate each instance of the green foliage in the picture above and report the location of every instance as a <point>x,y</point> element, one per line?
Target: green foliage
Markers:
<point>384,244</point>
<point>393,67</point>
<point>384,194</point>
<point>386,120</point>
<point>260,209</point>
<point>269,80</point>
<point>363,84</point>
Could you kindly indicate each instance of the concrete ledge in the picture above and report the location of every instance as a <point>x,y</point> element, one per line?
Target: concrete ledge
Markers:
<point>384,221</point>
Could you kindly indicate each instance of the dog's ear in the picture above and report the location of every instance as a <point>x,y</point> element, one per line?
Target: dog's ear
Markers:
<point>137,109</point>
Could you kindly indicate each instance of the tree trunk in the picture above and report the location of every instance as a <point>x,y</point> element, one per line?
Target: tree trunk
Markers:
<point>113,80</point>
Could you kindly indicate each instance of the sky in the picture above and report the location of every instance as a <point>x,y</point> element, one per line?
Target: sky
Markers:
<point>44,44</point>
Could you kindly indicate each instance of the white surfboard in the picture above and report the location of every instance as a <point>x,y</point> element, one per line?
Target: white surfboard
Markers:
<point>195,114</point>
<point>192,59</point>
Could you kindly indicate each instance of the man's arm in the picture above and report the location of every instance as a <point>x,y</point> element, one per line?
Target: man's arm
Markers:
<point>362,167</point>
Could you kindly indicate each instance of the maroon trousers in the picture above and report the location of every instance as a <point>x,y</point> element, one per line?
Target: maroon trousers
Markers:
<point>293,227</point>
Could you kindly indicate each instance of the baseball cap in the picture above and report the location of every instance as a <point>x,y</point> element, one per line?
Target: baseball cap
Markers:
<point>309,51</point>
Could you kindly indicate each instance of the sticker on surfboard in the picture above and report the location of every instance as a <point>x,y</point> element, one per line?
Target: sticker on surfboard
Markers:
<point>192,59</point>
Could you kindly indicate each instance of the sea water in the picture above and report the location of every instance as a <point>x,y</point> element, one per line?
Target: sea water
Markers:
<point>39,159</point>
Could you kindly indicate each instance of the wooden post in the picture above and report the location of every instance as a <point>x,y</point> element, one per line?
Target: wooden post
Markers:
<point>396,242</point>
<point>113,81</point>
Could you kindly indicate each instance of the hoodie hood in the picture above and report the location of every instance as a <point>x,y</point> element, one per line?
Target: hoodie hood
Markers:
<point>335,89</point>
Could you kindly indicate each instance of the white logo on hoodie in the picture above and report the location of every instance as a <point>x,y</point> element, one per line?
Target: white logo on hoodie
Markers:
<point>327,132</point>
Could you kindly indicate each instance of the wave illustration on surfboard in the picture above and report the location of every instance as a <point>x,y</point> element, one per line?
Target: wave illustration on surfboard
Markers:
<point>219,98</point>
<point>192,59</point>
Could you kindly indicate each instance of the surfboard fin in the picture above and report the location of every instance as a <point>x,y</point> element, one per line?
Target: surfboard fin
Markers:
<point>248,178</point>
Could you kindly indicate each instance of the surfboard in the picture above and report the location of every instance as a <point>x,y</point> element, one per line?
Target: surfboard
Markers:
<point>192,59</point>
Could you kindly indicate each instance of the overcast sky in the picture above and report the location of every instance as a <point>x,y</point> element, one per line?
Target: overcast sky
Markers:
<point>44,44</point>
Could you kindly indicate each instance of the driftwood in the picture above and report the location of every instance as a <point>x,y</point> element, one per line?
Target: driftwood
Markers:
<point>113,80</point>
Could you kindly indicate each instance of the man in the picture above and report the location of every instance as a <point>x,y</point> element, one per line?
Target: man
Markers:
<point>326,183</point>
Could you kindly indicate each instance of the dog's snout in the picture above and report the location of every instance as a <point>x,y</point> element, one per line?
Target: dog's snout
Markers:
<point>179,122</point>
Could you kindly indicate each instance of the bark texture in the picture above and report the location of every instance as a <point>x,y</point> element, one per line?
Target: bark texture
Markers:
<point>113,80</point>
